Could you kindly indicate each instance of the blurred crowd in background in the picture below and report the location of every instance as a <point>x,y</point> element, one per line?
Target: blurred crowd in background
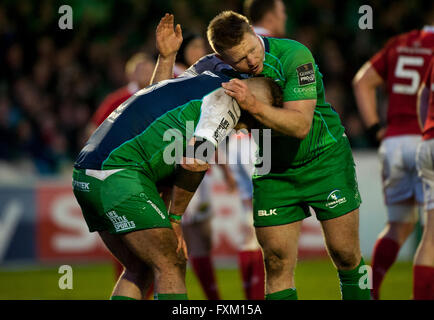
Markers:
<point>53,80</point>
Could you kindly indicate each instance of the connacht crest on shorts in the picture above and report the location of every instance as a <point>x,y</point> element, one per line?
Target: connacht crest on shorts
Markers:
<point>306,74</point>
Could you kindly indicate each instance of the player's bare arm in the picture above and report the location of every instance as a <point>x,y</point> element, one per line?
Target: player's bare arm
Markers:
<point>189,175</point>
<point>294,119</point>
<point>168,41</point>
<point>365,83</point>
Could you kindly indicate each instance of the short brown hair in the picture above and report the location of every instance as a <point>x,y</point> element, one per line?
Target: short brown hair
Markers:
<point>267,90</point>
<point>226,30</point>
<point>275,90</point>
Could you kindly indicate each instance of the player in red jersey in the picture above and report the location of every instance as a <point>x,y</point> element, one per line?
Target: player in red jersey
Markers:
<point>138,71</point>
<point>423,268</point>
<point>399,66</point>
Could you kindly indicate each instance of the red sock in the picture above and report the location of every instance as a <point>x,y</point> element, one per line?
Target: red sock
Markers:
<point>204,270</point>
<point>423,283</point>
<point>253,274</point>
<point>384,255</point>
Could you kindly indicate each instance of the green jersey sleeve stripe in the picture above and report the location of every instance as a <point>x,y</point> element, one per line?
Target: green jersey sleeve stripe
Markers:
<point>277,71</point>
<point>325,123</point>
<point>278,60</point>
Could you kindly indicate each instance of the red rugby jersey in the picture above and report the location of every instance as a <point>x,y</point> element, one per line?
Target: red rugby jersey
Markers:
<point>426,105</point>
<point>112,101</point>
<point>402,64</point>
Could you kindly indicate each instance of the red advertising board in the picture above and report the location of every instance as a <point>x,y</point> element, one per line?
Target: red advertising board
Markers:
<point>61,232</point>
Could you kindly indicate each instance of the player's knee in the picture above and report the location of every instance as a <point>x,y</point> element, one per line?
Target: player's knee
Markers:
<point>345,259</point>
<point>137,273</point>
<point>275,262</point>
<point>171,262</point>
<point>399,231</point>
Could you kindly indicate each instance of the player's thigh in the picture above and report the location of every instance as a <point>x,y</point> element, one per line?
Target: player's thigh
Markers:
<point>279,242</point>
<point>398,169</point>
<point>155,247</point>
<point>342,235</point>
<point>425,167</point>
<point>404,212</point>
<point>425,252</point>
<point>122,253</point>
<point>428,234</point>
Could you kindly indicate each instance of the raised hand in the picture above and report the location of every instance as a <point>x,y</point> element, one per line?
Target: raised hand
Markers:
<point>168,38</point>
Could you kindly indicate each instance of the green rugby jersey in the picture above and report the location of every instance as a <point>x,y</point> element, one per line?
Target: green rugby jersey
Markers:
<point>291,64</point>
<point>138,133</point>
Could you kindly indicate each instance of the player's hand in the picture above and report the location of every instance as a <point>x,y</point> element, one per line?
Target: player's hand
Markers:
<point>182,246</point>
<point>238,89</point>
<point>168,38</point>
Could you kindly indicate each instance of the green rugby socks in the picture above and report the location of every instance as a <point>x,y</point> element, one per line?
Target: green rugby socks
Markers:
<point>170,296</point>
<point>121,298</point>
<point>353,287</point>
<point>158,296</point>
<point>287,294</point>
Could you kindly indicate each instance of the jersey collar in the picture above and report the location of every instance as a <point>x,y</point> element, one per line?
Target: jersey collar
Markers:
<point>265,44</point>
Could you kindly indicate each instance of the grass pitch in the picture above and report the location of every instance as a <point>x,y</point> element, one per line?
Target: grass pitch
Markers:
<point>315,280</point>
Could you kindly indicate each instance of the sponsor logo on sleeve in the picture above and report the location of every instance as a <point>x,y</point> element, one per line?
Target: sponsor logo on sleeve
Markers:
<point>306,74</point>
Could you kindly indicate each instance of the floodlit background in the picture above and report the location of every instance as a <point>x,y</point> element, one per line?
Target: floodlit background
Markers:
<point>52,81</point>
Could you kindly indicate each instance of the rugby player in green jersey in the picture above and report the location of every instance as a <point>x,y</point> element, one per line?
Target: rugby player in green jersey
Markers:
<point>141,146</point>
<point>311,159</point>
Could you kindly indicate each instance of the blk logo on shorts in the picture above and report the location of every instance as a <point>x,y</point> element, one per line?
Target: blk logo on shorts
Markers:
<point>265,213</point>
<point>335,198</point>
